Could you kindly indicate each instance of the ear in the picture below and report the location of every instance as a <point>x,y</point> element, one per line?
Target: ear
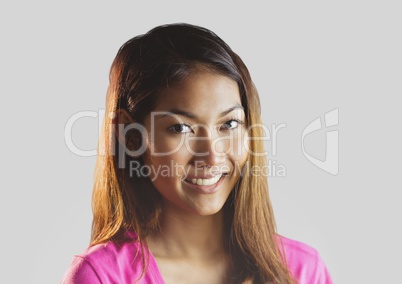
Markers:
<point>122,117</point>
<point>127,137</point>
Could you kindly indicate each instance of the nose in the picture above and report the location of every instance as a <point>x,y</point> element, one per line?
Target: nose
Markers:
<point>208,150</point>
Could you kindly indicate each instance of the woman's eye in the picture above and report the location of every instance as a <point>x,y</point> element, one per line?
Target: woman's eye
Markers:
<point>180,128</point>
<point>231,124</point>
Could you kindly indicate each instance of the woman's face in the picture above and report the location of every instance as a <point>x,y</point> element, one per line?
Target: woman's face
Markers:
<point>197,137</point>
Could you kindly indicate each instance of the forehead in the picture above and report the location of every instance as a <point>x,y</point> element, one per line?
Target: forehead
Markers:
<point>202,93</point>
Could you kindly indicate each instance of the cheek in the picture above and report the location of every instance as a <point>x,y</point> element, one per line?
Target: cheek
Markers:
<point>241,145</point>
<point>240,152</point>
<point>166,167</point>
<point>161,143</point>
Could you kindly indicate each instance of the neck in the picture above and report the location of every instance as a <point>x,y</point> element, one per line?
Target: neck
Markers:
<point>187,235</point>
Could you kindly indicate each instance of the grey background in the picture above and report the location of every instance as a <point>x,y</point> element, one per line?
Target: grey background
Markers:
<point>306,58</point>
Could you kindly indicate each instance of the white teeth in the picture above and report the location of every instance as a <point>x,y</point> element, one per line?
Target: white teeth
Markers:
<point>203,181</point>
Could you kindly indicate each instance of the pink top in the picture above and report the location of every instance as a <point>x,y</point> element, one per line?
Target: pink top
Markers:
<point>112,263</point>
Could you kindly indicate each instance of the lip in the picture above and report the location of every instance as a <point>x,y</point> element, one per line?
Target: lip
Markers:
<point>206,189</point>
<point>208,176</point>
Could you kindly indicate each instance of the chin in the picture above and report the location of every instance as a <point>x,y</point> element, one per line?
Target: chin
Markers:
<point>206,210</point>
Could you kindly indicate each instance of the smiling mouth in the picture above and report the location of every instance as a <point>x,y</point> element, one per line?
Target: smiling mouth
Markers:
<point>205,181</point>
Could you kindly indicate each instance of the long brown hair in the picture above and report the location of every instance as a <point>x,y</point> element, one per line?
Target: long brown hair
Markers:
<point>143,67</point>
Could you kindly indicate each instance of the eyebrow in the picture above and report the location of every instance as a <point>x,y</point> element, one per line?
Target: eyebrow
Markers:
<point>193,116</point>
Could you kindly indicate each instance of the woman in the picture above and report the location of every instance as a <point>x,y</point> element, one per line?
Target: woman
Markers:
<point>176,196</point>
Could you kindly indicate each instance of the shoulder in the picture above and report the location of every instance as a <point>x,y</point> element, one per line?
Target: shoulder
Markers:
<point>304,262</point>
<point>80,271</point>
<point>109,262</point>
